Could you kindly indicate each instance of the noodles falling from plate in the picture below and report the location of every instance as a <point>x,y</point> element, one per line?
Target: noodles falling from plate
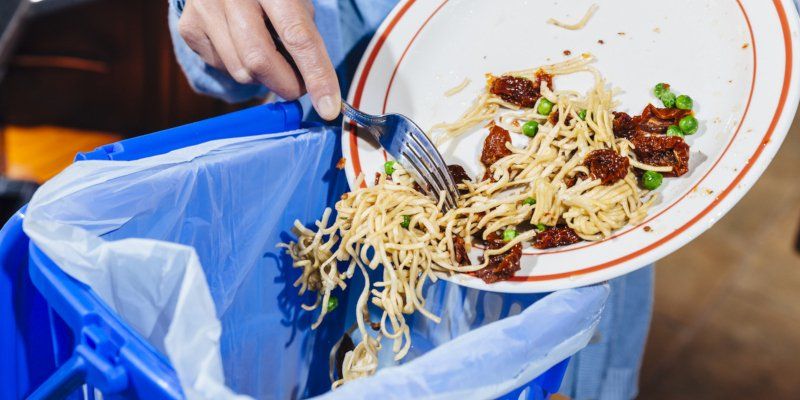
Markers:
<point>575,179</point>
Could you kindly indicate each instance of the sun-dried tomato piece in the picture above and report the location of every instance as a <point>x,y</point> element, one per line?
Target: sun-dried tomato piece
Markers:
<point>651,120</point>
<point>494,147</point>
<point>623,126</point>
<point>662,151</point>
<point>607,165</point>
<point>556,236</point>
<point>501,267</point>
<point>657,120</point>
<point>458,173</point>
<point>520,91</point>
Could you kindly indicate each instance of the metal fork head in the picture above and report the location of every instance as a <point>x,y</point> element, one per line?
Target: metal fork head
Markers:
<point>409,146</point>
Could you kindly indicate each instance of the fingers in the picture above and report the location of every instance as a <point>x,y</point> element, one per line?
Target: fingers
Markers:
<point>232,35</point>
<point>257,52</point>
<point>212,12</point>
<point>298,33</point>
<point>191,29</point>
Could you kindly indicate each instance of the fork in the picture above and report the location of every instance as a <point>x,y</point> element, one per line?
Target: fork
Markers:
<point>409,146</point>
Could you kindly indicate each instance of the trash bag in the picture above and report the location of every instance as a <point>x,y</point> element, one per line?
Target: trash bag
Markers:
<point>182,246</point>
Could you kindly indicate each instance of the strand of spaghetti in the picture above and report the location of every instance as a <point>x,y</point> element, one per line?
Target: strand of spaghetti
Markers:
<point>578,25</point>
<point>648,167</point>
<point>458,88</point>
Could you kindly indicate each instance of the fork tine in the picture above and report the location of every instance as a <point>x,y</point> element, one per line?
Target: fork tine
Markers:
<point>439,166</point>
<point>435,187</point>
<point>400,136</point>
<point>418,168</point>
<point>432,171</point>
<point>425,162</point>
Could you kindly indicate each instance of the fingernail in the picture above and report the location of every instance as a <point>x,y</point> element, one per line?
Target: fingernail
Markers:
<point>242,76</point>
<point>328,107</point>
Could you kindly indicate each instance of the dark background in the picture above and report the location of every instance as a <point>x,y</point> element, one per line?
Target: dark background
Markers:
<point>99,65</point>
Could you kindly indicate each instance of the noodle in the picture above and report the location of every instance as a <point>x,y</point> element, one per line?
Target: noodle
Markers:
<point>404,234</point>
<point>458,88</point>
<point>580,24</point>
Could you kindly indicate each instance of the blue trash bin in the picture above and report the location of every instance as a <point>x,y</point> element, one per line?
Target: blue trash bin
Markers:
<point>63,341</point>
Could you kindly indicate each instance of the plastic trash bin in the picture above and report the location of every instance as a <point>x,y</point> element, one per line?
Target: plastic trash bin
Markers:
<point>63,341</point>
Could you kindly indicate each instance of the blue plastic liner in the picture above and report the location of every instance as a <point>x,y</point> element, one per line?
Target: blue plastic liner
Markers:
<point>164,270</point>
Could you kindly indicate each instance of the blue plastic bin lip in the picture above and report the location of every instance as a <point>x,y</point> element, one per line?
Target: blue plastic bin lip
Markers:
<point>265,118</point>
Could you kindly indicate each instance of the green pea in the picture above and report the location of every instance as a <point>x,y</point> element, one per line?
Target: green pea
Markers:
<point>688,124</point>
<point>651,180</point>
<point>406,221</point>
<point>674,131</point>
<point>333,302</point>
<point>545,107</point>
<point>540,227</point>
<point>530,128</point>
<point>509,235</point>
<point>388,167</point>
<point>582,115</point>
<point>684,102</point>
<point>660,89</point>
<point>668,98</point>
<point>529,201</point>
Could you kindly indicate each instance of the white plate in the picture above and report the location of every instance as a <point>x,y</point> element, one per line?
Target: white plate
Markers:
<point>734,57</point>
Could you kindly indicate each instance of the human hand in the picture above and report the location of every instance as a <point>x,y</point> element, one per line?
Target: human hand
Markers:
<point>233,36</point>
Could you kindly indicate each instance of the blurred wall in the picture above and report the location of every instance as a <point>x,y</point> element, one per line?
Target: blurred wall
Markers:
<point>101,65</point>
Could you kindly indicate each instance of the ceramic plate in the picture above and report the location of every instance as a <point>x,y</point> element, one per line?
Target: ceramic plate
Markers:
<point>737,58</point>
